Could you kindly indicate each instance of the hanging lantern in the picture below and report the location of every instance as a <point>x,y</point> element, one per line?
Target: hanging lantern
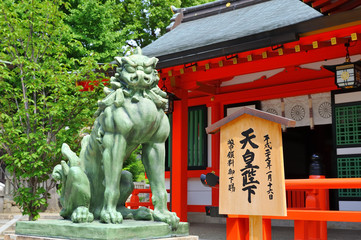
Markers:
<point>347,74</point>
<point>170,106</point>
<point>171,98</point>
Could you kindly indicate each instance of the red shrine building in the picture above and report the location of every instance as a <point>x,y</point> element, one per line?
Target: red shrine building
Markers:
<point>269,55</point>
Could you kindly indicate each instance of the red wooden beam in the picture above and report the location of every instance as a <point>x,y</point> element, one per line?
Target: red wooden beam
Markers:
<point>327,183</point>
<point>196,208</point>
<point>287,76</point>
<point>320,3</point>
<point>196,173</point>
<point>333,6</point>
<point>296,59</point>
<point>271,92</point>
<point>347,6</point>
<point>322,215</point>
<point>305,44</point>
<point>205,88</point>
<point>314,215</point>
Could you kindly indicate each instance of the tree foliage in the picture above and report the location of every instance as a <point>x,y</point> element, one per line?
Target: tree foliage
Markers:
<point>92,23</point>
<point>134,165</point>
<point>106,26</point>
<point>145,20</point>
<point>40,105</point>
<point>46,46</point>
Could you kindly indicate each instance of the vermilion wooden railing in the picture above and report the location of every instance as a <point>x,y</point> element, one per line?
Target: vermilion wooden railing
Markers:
<point>135,202</point>
<point>308,209</point>
<point>296,199</point>
<point>309,222</point>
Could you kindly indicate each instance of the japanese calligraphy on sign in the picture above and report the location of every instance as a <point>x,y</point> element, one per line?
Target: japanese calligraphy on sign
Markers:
<point>249,171</point>
<point>251,167</point>
<point>268,160</point>
<point>231,171</point>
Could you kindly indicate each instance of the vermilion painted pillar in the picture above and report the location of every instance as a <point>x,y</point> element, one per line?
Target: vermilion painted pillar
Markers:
<point>322,203</point>
<point>267,229</point>
<point>216,115</point>
<point>180,156</point>
<point>300,230</point>
<point>237,228</point>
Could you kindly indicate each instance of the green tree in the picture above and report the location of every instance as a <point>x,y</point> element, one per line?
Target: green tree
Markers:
<point>134,165</point>
<point>145,20</point>
<point>106,26</point>
<point>40,105</point>
<point>92,23</point>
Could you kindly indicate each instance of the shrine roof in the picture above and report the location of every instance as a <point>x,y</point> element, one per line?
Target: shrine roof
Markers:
<point>212,26</point>
<point>215,127</point>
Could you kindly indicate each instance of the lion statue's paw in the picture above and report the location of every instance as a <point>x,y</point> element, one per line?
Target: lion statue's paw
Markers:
<point>82,215</point>
<point>142,213</point>
<point>111,216</point>
<point>167,217</point>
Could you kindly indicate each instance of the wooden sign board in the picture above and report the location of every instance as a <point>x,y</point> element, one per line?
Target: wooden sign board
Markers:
<point>251,168</point>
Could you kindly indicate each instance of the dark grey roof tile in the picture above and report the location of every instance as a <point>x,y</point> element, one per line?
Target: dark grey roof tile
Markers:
<point>242,22</point>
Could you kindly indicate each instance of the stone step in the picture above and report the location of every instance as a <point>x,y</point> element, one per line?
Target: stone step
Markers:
<point>2,235</point>
<point>3,221</point>
<point>7,225</point>
<point>50,216</point>
<point>7,216</point>
<point>9,232</point>
<point>11,228</point>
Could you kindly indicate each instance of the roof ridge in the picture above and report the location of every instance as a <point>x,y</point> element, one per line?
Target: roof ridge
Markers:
<point>208,9</point>
<point>217,7</point>
<point>209,5</point>
<point>215,127</point>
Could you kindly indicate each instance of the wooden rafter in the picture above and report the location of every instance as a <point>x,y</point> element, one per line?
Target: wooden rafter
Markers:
<point>320,3</point>
<point>205,88</point>
<point>329,7</point>
<point>333,6</point>
<point>204,78</point>
<point>346,7</point>
<point>246,58</point>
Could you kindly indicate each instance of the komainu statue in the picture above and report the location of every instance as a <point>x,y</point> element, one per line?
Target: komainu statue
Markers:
<point>132,114</point>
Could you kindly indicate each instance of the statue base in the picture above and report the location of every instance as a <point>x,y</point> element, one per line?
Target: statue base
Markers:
<point>26,237</point>
<point>129,229</point>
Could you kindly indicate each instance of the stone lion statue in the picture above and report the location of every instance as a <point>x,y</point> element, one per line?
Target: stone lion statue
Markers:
<point>132,114</point>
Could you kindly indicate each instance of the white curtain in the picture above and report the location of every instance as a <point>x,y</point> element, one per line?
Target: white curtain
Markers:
<point>298,108</point>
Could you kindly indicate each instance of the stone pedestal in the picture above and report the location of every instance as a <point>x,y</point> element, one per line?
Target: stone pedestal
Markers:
<point>24,237</point>
<point>129,229</point>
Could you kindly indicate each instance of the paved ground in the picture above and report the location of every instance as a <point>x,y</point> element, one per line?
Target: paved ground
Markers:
<point>215,231</point>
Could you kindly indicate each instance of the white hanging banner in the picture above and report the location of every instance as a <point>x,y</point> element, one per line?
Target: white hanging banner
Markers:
<point>322,110</point>
<point>298,109</point>
<point>272,106</point>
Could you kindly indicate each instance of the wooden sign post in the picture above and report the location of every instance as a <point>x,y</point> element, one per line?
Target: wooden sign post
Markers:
<point>251,166</point>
